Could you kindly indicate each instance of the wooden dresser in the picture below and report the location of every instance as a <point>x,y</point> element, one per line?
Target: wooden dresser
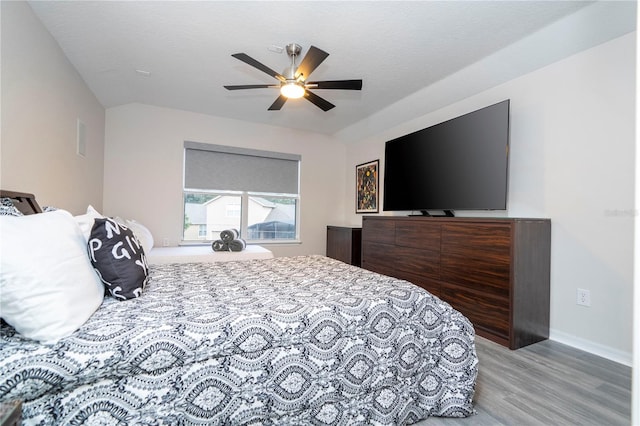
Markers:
<point>494,271</point>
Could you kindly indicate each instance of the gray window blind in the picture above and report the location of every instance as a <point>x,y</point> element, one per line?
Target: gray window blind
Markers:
<point>219,167</point>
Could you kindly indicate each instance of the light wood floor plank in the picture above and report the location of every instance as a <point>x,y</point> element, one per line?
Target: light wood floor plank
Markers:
<point>547,383</point>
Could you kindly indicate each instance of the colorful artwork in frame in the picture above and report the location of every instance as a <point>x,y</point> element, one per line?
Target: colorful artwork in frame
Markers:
<point>367,187</point>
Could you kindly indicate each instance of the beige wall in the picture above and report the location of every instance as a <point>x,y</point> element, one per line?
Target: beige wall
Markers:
<point>571,160</point>
<point>42,98</point>
<point>144,148</point>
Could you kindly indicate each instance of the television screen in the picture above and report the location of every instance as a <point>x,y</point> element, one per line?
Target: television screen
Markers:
<point>460,164</point>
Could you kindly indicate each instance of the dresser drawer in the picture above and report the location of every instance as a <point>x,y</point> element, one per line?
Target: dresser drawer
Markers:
<point>380,231</point>
<point>485,311</point>
<point>426,237</point>
<point>378,257</point>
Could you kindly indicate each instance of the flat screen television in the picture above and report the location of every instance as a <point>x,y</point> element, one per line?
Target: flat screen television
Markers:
<point>460,164</point>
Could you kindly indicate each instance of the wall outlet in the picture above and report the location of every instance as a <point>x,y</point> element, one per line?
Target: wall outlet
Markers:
<point>165,242</point>
<point>583,297</point>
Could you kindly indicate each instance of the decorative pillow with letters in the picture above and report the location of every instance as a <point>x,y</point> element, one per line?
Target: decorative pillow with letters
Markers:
<point>118,258</point>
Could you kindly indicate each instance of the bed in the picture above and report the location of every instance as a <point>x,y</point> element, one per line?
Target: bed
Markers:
<point>290,340</point>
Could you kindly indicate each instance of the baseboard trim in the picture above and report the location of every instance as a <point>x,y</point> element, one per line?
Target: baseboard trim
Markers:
<point>625,358</point>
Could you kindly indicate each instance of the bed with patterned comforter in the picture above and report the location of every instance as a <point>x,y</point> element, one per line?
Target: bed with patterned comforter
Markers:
<point>300,340</point>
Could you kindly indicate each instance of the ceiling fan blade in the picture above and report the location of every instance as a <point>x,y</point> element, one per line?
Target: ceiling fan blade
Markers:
<point>312,59</point>
<point>250,86</point>
<point>321,103</point>
<point>249,60</point>
<point>278,103</point>
<point>336,84</point>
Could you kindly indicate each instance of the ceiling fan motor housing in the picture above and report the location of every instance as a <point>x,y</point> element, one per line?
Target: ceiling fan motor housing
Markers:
<point>293,49</point>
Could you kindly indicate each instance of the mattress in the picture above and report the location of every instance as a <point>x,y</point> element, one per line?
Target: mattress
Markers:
<point>300,340</point>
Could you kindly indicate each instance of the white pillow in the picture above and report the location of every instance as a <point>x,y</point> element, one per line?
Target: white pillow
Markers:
<point>48,287</point>
<point>85,221</point>
<point>142,233</point>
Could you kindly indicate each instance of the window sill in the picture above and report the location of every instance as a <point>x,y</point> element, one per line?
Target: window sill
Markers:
<point>252,242</point>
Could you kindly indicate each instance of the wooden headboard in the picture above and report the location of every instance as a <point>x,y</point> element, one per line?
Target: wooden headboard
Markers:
<point>24,202</point>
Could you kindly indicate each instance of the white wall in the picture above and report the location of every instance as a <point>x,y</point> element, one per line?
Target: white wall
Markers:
<point>143,169</point>
<point>571,160</point>
<point>42,98</point>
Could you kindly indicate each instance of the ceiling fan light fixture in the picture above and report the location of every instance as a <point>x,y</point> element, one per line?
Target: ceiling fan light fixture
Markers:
<point>292,90</point>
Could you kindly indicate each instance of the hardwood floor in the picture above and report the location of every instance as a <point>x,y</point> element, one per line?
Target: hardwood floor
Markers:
<point>547,383</point>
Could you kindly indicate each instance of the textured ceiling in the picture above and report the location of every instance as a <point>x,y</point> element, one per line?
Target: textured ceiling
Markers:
<point>396,48</point>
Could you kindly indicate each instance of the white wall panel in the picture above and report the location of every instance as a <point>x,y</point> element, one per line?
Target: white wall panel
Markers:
<point>43,97</point>
<point>144,160</point>
<point>571,160</point>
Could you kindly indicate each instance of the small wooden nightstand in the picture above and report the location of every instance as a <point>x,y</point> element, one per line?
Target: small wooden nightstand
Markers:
<point>343,243</point>
<point>11,413</point>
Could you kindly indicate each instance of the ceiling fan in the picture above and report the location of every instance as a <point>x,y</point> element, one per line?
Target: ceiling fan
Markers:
<point>293,82</point>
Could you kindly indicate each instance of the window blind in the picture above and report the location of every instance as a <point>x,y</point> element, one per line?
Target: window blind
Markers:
<point>219,167</point>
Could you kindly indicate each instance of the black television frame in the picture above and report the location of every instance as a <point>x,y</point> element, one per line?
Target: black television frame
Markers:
<point>455,174</point>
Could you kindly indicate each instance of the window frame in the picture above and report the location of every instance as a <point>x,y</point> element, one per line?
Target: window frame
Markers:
<point>244,215</point>
<point>245,195</point>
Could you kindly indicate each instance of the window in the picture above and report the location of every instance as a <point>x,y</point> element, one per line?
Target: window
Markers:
<point>253,191</point>
<point>232,210</point>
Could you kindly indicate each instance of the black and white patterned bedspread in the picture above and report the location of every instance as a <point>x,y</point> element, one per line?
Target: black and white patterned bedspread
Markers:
<point>301,340</point>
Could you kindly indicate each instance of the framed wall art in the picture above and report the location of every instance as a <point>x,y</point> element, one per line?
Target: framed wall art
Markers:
<point>367,187</point>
